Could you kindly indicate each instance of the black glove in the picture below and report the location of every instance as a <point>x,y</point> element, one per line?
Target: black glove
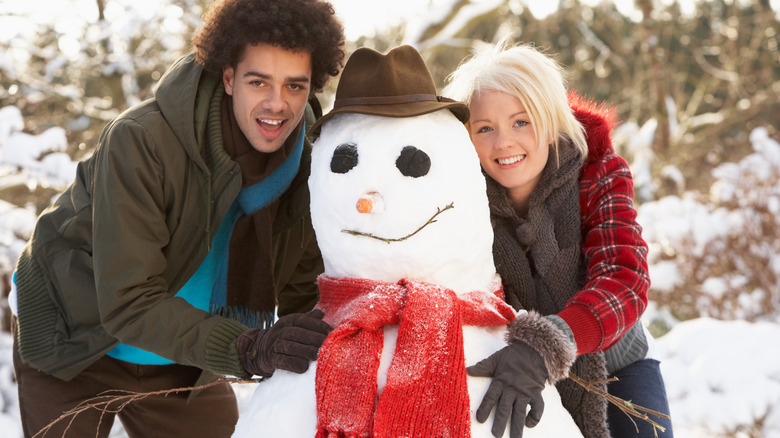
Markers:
<point>518,373</point>
<point>290,344</point>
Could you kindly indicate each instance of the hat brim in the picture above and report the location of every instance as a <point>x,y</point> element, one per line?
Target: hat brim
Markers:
<point>459,109</point>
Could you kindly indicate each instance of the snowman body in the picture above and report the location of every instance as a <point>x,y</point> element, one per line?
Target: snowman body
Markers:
<point>393,199</point>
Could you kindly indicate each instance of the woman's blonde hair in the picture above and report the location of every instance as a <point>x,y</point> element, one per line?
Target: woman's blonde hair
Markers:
<point>524,72</point>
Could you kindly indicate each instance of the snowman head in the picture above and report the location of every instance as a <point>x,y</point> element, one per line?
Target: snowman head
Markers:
<point>395,198</point>
<point>396,186</point>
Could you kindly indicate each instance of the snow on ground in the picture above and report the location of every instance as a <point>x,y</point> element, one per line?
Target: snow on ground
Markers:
<point>721,377</point>
<point>10,427</point>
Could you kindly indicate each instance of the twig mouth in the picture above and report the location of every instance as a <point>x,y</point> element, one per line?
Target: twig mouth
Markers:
<point>399,239</point>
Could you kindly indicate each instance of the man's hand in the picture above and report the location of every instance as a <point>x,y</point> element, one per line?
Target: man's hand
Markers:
<point>519,374</point>
<point>290,344</point>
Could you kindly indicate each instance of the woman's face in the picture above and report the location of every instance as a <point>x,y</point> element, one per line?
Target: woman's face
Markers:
<point>506,144</point>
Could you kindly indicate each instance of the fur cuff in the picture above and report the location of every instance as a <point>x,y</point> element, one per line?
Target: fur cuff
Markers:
<point>555,347</point>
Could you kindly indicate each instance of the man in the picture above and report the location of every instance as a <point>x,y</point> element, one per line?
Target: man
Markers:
<point>162,265</point>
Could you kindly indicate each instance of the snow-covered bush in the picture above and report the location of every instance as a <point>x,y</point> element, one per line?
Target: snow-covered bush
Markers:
<point>713,255</point>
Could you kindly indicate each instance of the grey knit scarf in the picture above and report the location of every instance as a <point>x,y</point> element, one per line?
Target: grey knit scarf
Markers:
<point>540,263</point>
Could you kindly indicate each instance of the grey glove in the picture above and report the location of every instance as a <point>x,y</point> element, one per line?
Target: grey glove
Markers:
<point>519,374</point>
<point>290,344</point>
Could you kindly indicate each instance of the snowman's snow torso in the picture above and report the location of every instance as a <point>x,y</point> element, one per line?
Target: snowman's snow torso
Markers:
<point>285,405</point>
<point>393,199</point>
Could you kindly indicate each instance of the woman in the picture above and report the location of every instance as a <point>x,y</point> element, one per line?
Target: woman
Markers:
<point>567,246</point>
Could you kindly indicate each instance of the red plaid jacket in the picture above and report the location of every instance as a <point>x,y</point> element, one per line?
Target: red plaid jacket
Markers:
<point>615,292</point>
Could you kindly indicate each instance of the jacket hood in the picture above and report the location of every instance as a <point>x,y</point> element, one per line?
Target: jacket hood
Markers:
<point>184,96</point>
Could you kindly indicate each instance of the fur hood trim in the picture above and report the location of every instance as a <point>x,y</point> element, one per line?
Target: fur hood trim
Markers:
<point>598,119</point>
<point>555,347</point>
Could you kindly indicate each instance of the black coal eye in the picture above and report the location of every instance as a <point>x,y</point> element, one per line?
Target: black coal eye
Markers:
<point>413,162</point>
<point>345,157</point>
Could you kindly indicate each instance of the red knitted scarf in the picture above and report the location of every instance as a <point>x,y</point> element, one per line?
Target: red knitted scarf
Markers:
<point>426,393</point>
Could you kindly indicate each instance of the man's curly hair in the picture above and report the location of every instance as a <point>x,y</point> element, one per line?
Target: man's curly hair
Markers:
<point>297,25</point>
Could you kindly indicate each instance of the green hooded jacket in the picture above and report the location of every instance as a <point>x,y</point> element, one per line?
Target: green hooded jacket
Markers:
<point>108,256</point>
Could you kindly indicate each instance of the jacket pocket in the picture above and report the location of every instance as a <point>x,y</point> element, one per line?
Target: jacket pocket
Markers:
<point>72,289</point>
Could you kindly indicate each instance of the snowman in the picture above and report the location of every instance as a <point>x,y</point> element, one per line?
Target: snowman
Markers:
<point>401,216</point>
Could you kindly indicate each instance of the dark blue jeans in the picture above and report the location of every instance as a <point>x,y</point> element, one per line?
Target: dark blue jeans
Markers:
<point>642,384</point>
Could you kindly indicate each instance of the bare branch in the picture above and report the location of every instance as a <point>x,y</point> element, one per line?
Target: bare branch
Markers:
<point>110,403</point>
<point>630,409</point>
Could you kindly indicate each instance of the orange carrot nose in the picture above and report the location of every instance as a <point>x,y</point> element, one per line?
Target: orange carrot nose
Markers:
<point>365,205</point>
<point>371,202</point>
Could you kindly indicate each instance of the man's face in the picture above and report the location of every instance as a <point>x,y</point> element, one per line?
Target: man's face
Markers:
<point>270,87</point>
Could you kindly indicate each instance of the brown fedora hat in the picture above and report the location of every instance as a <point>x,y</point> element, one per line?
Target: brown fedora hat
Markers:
<point>398,84</point>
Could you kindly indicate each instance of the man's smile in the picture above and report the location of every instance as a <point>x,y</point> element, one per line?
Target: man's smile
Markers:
<point>270,128</point>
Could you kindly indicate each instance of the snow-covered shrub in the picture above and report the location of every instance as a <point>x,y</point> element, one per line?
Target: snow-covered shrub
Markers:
<point>717,256</point>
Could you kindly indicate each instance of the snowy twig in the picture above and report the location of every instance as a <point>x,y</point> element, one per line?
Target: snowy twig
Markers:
<point>389,240</point>
<point>630,409</point>
<point>108,403</point>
